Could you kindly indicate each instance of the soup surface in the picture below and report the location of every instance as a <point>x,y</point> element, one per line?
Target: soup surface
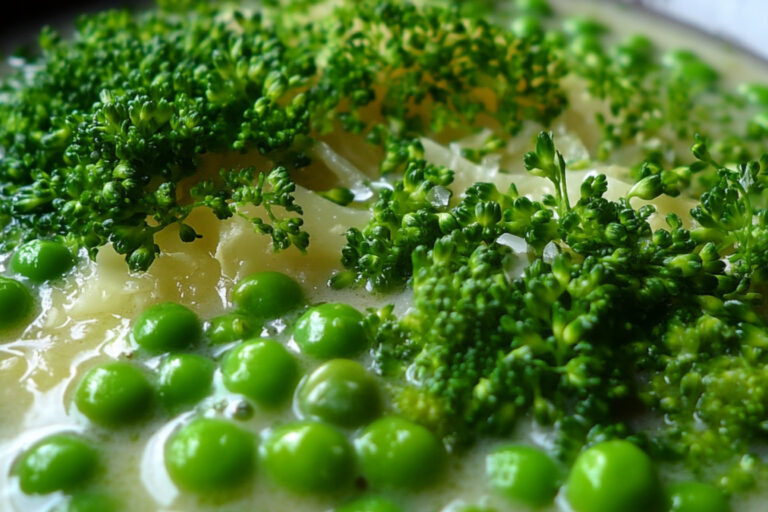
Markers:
<point>86,318</point>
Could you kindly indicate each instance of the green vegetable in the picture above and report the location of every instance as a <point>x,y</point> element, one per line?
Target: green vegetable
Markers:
<point>267,294</point>
<point>165,327</point>
<point>61,462</point>
<point>523,474</point>
<point>341,392</point>
<point>262,370</point>
<point>370,504</point>
<point>613,475</point>
<point>210,455</point>
<point>42,260</point>
<point>695,497</point>
<point>308,457</point>
<point>100,131</point>
<point>331,330</point>
<point>184,379</point>
<point>90,502</point>
<point>397,454</point>
<point>113,394</point>
<point>15,302</point>
<point>231,327</point>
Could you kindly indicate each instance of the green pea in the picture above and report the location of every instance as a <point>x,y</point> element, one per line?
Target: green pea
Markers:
<point>184,379</point>
<point>580,26</point>
<point>91,502</point>
<point>696,497</point>
<point>262,370</point>
<point>231,327</point>
<point>114,393</point>
<point>308,457</point>
<point>267,294</point>
<point>523,474</point>
<point>42,260</point>
<point>15,302</point>
<point>341,392</point>
<point>611,476</point>
<point>635,51</point>
<point>209,455</point>
<point>60,462</point>
<point>165,327</point>
<point>537,7</point>
<point>370,504</point>
<point>755,93</point>
<point>396,453</point>
<point>527,26</point>
<point>331,330</point>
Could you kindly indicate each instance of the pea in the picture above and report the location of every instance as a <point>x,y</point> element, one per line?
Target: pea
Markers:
<point>209,455</point>
<point>113,394</point>
<point>755,93</point>
<point>331,330</point>
<point>696,497</point>
<point>91,502</point>
<point>370,504</point>
<point>42,260</point>
<point>308,457</point>
<point>267,294</point>
<point>15,302</point>
<point>611,476</point>
<point>527,26</point>
<point>580,26</point>
<point>60,462</point>
<point>262,370</point>
<point>165,327</point>
<point>340,392</point>
<point>537,7</point>
<point>231,327</point>
<point>396,453</point>
<point>523,474</point>
<point>184,379</point>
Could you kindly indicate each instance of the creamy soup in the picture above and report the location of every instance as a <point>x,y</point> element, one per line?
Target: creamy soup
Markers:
<point>86,318</point>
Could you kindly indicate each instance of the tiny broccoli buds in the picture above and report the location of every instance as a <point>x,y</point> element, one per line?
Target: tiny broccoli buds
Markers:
<point>549,163</point>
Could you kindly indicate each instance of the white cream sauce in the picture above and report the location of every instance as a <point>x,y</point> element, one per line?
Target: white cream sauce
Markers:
<point>86,318</point>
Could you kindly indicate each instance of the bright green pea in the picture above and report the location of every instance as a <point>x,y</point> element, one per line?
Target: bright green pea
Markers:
<point>678,57</point>
<point>634,51</point>
<point>696,497</point>
<point>231,327</point>
<point>341,392</point>
<point>584,45</point>
<point>60,462</point>
<point>114,393</point>
<point>523,474</point>
<point>91,502</point>
<point>267,294</point>
<point>527,26</point>
<point>370,504</point>
<point>537,7</point>
<point>612,476</point>
<point>262,370</point>
<point>42,260</point>
<point>165,327</point>
<point>15,302</point>
<point>184,379</point>
<point>396,453</point>
<point>331,330</point>
<point>580,26</point>
<point>210,455</point>
<point>755,93</point>
<point>308,457</point>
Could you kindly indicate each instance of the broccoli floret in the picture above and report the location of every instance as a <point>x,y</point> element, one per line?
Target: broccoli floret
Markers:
<point>97,132</point>
<point>614,319</point>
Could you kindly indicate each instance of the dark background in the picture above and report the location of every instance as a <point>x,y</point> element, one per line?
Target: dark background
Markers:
<point>21,20</point>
